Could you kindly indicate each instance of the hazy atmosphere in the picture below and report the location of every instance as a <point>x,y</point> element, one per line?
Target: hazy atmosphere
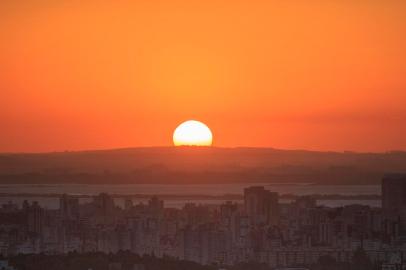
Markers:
<point>319,75</point>
<point>202,135</point>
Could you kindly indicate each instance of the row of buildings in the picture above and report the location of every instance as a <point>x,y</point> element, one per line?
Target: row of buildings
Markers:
<point>261,229</point>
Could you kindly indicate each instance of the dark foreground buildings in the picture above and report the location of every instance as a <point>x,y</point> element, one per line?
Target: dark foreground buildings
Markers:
<point>261,229</point>
<point>394,202</point>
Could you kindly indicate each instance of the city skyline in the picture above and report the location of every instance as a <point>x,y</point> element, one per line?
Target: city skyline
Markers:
<point>262,229</point>
<point>202,135</point>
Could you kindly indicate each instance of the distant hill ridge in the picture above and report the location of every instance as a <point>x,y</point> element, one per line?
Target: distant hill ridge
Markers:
<point>199,164</point>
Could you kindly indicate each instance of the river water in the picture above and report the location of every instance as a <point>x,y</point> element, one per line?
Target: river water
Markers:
<point>184,190</point>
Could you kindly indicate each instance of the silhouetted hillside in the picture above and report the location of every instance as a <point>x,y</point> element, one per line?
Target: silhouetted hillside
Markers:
<point>199,165</point>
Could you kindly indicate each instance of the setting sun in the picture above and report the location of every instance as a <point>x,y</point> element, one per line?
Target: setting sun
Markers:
<point>192,133</point>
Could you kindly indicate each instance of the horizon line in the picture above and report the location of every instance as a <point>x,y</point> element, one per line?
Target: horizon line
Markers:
<point>200,147</point>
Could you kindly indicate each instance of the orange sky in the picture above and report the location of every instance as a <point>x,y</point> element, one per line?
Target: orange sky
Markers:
<point>323,75</point>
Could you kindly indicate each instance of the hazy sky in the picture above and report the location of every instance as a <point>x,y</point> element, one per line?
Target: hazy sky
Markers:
<point>324,75</point>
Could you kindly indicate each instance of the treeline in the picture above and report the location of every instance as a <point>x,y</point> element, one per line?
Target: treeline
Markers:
<point>125,260</point>
<point>99,261</point>
<point>359,261</point>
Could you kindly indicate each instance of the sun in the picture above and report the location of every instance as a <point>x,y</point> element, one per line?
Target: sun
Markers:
<point>192,133</point>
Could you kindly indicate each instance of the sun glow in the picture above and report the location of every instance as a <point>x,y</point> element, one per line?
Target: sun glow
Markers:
<point>192,133</point>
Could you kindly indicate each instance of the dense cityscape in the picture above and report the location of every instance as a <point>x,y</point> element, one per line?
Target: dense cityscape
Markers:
<point>261,230</point>
<point>202,135</point>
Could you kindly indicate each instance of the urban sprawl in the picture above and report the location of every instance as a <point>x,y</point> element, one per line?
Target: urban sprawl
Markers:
<point>260,229</point>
